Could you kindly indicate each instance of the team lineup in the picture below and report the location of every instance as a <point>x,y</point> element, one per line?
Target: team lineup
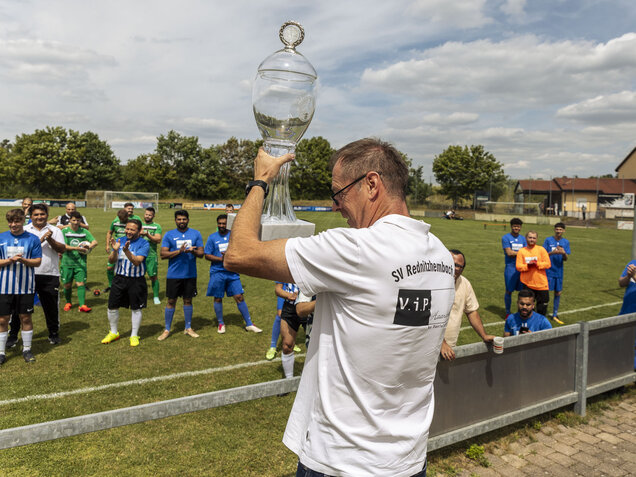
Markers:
<point>37,256</point>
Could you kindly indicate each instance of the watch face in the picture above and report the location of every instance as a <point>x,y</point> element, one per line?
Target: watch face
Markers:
<point>291,34</point>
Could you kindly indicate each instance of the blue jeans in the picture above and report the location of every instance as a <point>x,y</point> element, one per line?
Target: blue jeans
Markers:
<point>303,471</point>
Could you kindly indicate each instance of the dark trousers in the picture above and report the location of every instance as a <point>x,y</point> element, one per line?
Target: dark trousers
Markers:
<point>48,289</point>
<point>541,300</point>
<point>302,471</point>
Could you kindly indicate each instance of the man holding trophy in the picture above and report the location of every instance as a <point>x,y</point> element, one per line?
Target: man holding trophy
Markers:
<point>365,400</point>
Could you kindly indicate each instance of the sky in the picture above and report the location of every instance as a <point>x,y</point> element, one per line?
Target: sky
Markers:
<point>547,86</point>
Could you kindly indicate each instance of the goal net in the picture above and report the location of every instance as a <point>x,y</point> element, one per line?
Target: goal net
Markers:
<point>110,199</point>
<point>516,208</point>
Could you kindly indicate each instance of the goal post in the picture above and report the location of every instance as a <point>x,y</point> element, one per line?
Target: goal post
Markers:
<point>516,208</point>
<point>116,199</point>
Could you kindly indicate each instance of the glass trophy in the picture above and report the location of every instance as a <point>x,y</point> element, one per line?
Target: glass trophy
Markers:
<point>284,100</point>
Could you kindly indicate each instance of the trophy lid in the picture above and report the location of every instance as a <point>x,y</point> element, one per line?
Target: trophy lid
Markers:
<point>288,59</point>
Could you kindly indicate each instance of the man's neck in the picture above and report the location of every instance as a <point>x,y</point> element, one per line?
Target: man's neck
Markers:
<point>388,207</point>
<point>39,227</point>
<point>17,234</point>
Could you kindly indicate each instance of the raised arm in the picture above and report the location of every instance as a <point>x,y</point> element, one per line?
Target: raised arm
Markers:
<point>246,253</point>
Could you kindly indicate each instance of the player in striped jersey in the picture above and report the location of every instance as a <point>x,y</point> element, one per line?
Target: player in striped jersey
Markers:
<point>20,253</point>
<point>129,289</point>
<point>116,230</point>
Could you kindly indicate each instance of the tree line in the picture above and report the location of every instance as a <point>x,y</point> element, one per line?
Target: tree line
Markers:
<point>57,163</point>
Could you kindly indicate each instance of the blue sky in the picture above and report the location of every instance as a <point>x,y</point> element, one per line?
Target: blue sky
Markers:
<point>547,86</point>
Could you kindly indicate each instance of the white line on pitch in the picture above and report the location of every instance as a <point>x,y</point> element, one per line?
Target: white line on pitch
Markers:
<point>560,313</point>
<point>122,384</point>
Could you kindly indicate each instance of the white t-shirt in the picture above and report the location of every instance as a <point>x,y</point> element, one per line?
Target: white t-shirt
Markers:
<point>465,302</point>
<point>50,260</point>
<point>365,401</point>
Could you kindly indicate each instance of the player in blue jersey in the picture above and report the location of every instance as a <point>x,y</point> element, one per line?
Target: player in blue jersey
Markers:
<point>223,282</point>
<point>558,249</point>
<point>511,244</point>
<point>128,289</point>
<point>284,292</point>
<point>181,247</point>
<point>20,253</point>
<point>526,320</point>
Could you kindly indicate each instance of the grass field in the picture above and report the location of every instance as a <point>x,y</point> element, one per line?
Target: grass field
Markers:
<point>242,439</point>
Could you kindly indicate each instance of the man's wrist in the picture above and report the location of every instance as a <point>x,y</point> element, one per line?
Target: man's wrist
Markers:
<point>257,183</point>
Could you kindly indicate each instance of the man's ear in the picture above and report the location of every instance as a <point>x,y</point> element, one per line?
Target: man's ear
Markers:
<point>374,184</point>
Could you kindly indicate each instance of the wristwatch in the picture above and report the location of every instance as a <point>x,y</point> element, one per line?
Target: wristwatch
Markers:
<point>262,184</point>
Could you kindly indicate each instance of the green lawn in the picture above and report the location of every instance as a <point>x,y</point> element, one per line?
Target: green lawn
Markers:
<point>242,439</point>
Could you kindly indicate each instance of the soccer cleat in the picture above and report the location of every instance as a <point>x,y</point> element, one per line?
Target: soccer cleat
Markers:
<point>28,356</point>
<point>271,354</point>
<point>68,306</point>
<point>253,329</point>
<point>85,309</point>
<point>296,349</point>
<point>190,332</point>
<point>134,341</point>
<point>556,320</point>
<point>163,335</point>
<point>106,290</point>
<point>55,340</point>
<point>157,301</point>
<point>3,359</point>
<point>221,329</point>
<point>110,337</point>
<point>11,341</point>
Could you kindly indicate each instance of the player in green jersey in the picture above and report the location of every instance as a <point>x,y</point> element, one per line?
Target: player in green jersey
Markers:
<point>116,231</point>
<point>151,231</point>
<point>79,242</point>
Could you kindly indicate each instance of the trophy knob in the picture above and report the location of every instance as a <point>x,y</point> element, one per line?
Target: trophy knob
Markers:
<point>291,34</point>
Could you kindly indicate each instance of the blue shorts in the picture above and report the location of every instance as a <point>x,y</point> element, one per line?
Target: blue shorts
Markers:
<point>511,277</point>
<point>222,283</point>
<point>555,283</point>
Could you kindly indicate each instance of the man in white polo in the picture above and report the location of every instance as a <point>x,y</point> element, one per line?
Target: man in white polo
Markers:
<point>47,275</point>
<point>384,289</point>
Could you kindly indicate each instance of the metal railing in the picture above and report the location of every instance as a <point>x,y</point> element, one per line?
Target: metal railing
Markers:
<point>476,393</point>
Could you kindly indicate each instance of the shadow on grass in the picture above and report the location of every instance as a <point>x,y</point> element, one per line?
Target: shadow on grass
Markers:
<point>497,310</point>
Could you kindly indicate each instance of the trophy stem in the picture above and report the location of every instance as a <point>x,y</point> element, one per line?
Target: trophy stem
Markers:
<point>278,206</point>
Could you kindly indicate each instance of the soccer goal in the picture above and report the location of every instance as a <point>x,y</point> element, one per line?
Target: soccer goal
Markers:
<point>111,199</point>
<point>516,208</point>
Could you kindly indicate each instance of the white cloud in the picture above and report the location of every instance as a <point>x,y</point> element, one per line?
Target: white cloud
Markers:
<point>40,61</point>
<point>603,109</point>
<point>458,13</point>
<point>514,8</point>
<point>521,71</point>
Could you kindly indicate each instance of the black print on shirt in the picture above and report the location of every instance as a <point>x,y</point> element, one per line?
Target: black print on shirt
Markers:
<point>413,308</point>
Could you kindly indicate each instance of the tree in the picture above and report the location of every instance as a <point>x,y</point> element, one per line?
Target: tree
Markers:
<point>236,166</point>
<point>462,170</point>
<point>310,177</point>
<point>183,155</point>
<point>417,188</point>
<point>56,163</point>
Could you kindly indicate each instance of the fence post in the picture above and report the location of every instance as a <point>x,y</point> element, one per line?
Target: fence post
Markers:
<point>582,351</point>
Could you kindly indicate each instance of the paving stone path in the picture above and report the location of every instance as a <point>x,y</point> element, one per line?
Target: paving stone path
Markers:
<point>604,446</point>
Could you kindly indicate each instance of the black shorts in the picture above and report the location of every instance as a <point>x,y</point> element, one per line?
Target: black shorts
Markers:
<point>181,287</point>
<point>288,313</point>
<point>21,304</point>
<point>128,292</point>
